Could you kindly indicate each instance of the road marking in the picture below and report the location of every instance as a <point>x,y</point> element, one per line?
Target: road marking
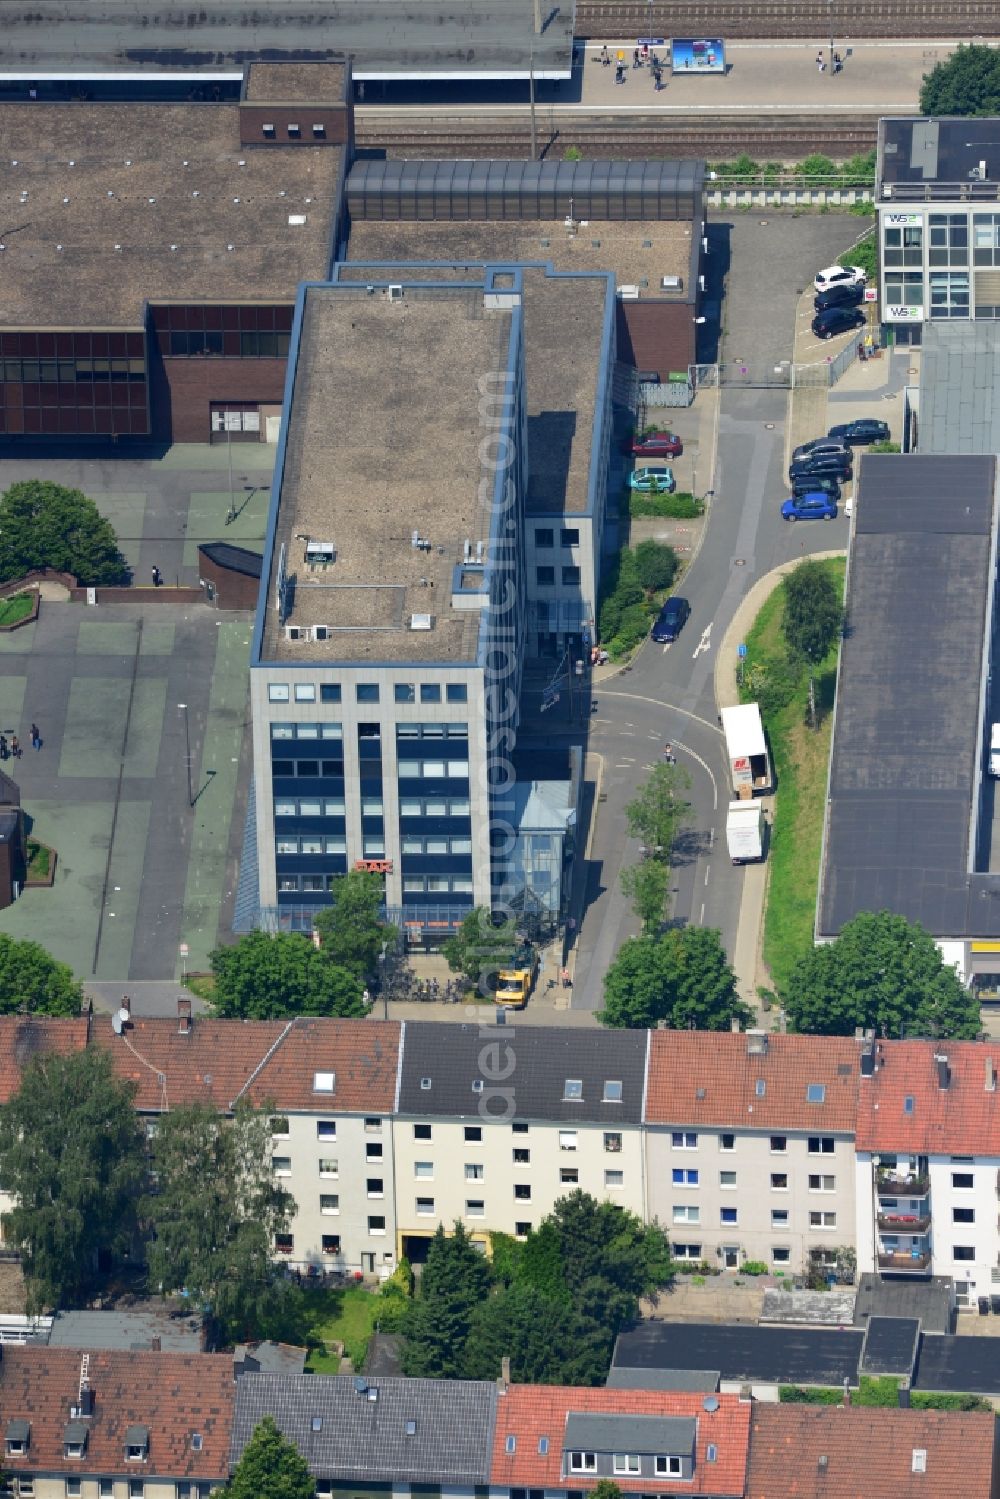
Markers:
<point>638,697</point>
<point>686,750</point>
<point>711,839</point>
<point>704,644</point>
<point>666,647</point>
<point>708,871</point>
<point>701,915</point>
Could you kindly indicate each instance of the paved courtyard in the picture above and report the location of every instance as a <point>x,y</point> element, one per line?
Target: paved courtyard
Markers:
<point>140,871</point>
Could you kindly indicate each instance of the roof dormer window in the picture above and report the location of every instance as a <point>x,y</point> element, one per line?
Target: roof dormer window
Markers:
<point>18,1438</point>
<point>137,1444</point>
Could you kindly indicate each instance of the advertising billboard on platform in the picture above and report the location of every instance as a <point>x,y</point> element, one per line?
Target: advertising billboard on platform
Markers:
<point>697,55</point>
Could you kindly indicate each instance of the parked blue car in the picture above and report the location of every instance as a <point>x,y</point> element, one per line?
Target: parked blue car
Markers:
<point>815,505</point>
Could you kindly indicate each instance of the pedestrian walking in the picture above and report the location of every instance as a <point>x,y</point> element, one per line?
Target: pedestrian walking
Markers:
<point>564,977</point>
<point>668,754</point>
<point>15,748</point>
<point>838,63</point>
<point>36,737</point>
<point>605,57</point>
<point>157,577</point>
<point>620,73</point>
<point>3,747</point>
<point>820,64</point>
<point>635,58</point>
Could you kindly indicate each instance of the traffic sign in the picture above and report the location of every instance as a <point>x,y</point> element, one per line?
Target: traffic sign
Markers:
<point>185,950</point>
<point>741,650</point>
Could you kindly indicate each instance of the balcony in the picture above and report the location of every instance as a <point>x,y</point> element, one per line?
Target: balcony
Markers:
<point>906,1261</point>
<point>902,1184</point>
<point>905,1223</point>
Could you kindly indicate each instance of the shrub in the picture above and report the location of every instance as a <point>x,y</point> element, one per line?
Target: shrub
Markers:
<point>796,1394</point>
<point>632,630</point>
<point>755,1267</point>
<point>656,565</point>
<point>679,506</point>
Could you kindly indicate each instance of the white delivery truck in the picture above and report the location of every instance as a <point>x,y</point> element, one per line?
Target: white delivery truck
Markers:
<point>746,747</point>
<point>745,831</point>
<point>995,750</point>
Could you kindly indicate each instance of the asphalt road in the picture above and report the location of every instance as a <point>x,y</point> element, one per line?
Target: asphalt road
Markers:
<point>669,693</point>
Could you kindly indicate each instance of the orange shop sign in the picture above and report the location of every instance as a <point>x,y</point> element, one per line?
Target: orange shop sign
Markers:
<point>374,866</point>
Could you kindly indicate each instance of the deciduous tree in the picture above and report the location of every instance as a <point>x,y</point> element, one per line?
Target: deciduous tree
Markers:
<point>214,1212</point>
<point>266,977</point>
<point>72,1160</point>
<point>655,564</point>
<point>270,1467</point>
<point>646,884</point>
<point>658,809</point>
<point>547,1341</point>
<point>966,83</point>
<point>47,525</point>
<point>681,979</point>
<point>812,619</point>
<point>31,979</point>
<point>481,947</point>
<point>351,928</point>
<point>882,972</point>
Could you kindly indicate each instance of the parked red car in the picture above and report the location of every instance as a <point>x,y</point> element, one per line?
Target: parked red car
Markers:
<point>653,445</point>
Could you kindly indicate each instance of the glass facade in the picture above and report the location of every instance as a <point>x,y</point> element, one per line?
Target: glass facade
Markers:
<point>310,829</point>
<point>86,383</point>
<point>200,332</point>
<point>435,824</point>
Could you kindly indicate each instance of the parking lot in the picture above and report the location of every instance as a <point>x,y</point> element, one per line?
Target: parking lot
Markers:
<point>143,709</point>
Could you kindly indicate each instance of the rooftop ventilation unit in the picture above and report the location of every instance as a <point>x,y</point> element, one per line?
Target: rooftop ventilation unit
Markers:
<point>297,218</point>
<point>421,621</point>
<point>672,283</point>
<point>395,293</point>
<point>629,293</point>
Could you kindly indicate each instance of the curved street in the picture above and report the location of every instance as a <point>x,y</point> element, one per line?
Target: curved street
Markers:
<point>669,692</point>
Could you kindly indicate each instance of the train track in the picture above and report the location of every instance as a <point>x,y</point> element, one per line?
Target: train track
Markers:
<point>734,19</point>
<point>717,137</point>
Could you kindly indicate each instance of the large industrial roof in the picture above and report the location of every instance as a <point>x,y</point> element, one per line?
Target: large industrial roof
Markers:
<point>907,750</point>
<point>391,39</point>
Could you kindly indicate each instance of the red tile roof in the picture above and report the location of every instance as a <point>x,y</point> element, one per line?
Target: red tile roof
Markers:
<point>869,1453</point>
<point>220,1061</point>
<point>962,1119</point>
<point>24,1038</point>
<point>171,1394</point>
<point>710,1078</point>
<point>528,1412</point>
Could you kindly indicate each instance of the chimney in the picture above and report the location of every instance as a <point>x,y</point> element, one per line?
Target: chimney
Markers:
<point>734,1026</point>
<point>943,1071</point>
<point>991,1076</point>
<point>504,1381</point>
<point>847,1391</point>
<point>184,1016</point>
<point>903,1396</point>
<point>156,1345</point>
<point>867,1058</point>
<point>126,1004</point>
<point>756,1043</point>
<point>822,1463</point>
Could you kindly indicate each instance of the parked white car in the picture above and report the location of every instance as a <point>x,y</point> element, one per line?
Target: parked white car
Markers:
<point>840,275</point>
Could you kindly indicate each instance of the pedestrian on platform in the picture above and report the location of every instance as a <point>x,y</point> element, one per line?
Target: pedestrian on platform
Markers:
<point>15,747</point>
<point>635,58</point>
<point>820,64</point>
<point>564,976</point>
<point>605,57</point>
<point>36,737</point>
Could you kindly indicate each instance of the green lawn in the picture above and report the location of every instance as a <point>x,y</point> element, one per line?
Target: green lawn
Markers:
<point>347,1316</point>
<point>39,858</point>
<point>19,606</point>
<point>800,761</point>
<point>201,984</point>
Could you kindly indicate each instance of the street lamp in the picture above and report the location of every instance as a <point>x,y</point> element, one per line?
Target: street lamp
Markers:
<point>829,6</point>
<point>187,745</point>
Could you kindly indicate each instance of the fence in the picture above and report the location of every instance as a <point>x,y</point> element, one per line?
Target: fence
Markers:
<point>762,375</point>
<point>668,393</point>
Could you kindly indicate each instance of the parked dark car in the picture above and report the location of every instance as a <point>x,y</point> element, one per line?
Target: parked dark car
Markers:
<point>845,295</point>
<point>819,445</point>
<point>835,465</point>
<point>837,320</point>
<point>671,619</point>
<point>653,445</point>
<point>865,430</point>
<point>810,483</point>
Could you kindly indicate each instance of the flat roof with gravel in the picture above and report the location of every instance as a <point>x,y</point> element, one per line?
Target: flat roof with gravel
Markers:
<point>108,206</point>
<point>383,441</point>
<point>635,252</point>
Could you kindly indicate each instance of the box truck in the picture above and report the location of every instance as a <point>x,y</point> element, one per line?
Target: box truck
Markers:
<point>745,831</point>
<point>995,750</point>
<point>749,762</point>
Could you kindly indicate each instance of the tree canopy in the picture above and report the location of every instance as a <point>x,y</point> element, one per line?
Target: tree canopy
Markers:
<point>966,83</point>
<point>553,1303</point>
<point>655,564</point>
<point>453,1286</point>
<point>658,809</point>
<point>72,1159</point>
<point>882,972</point>
<point>214,1213</point>
<point>813,614</point>
<point>647,884</point>
<point>681,979</point>
<point>351,929</point>
<point>271,1467</point>
<point>480,947</point>
<point>46,525</point>
<point>31,979</point>
<point>265,976</point>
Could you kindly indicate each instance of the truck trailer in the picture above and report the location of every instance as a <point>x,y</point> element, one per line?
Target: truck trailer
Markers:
<point>746,747</point>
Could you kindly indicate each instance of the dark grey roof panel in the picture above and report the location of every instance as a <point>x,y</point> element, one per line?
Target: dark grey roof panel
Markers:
<point>959,382</point>
<point>962,1365</point>
<point>360,1438</point>
<point>926,1300</point>
<point>639,1434</point>
<point>691,1381</point>
<point>890,1346</point>
<point>782,1355</point>
<point>523,1075</point>
<point>906,739</point>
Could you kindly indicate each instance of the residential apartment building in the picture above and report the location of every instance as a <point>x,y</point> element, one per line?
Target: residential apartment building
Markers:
<point>100,1425</point>
<point>750,1146</point>
<point>493,1126</point>
<point>332,1086</point>
<point>928,1163</point>
<point>386,658</point>
<point>939,222</point>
